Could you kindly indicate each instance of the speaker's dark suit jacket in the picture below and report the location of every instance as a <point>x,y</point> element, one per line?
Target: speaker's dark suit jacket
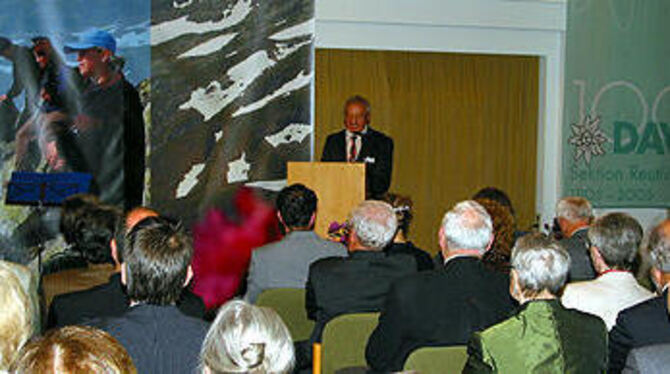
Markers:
<point>159,339</point>
<point>107,300</point>
<point>437,308</point>
<point>376,151</point>
<point>646,323</point>
<point>354,284</point>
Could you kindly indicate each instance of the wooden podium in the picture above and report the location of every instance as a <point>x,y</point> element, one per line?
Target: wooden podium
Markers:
<point>340,186</point>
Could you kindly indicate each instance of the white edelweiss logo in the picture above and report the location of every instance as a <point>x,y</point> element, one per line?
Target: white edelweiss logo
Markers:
<point>588,138</point>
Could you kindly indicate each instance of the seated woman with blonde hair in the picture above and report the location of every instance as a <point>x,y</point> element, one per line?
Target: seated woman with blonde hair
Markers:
<point>16,317</point>
<point>245,338</point>
<point>74,350</point>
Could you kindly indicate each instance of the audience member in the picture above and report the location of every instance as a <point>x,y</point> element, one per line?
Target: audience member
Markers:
<point>503,235</point>
<point>358,283</point>
<point>497,195</point>
<point>71,211</point>
<point>543,336</point>
<point>650,359</point>
<point>646,323</point>
<point>284,264</point>
<point>15,317</point>
<point>156,267</point>
<point>403,209</point>
<point>247,339</point>
<point>615,239</point>
<point>90,235</point>
<point>74,350</point>
<point>574,215</point>
<point>109,299</point>
<point>29,281</point>
<point>444,306</point>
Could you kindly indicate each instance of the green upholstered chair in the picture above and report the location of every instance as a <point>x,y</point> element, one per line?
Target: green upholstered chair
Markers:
<point>289,303</point>
<point>437,360</point>
<point>344,339</point>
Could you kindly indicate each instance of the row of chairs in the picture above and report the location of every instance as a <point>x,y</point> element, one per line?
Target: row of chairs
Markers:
<point>344,338</point>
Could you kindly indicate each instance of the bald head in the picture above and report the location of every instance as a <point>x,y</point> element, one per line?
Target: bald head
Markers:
<point>133,217</point>
<point>138,214</point>
<point>659,246</point>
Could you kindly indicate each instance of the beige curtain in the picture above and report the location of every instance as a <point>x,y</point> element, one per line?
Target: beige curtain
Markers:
<point>460,122</point>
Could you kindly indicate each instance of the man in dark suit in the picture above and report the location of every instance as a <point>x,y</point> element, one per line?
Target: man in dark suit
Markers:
<point>445,306</point>
<point>574,216</point>
<point>110,299</point>
<point>158,337</point>
<point>358,142</point>
<point>646,323</point>
<point>357,283</point>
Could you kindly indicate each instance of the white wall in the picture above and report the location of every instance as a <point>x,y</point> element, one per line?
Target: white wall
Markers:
<point>528,27</point>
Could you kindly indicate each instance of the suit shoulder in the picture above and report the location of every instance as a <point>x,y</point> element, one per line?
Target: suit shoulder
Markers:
<point>420,281</point>
<point>326,262</point>
<point>77,296</point>
<point>380,135</point>
<point>586,320</point>
<point>642,309</point>
<point>335,135</point>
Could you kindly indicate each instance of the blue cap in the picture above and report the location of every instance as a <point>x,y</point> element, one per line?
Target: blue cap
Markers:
<point>92,39</point>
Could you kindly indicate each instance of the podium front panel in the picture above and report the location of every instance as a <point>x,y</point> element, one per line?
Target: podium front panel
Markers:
<point>340,186</point>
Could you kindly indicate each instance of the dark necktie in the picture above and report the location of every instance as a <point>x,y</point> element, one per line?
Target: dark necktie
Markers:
<point>352,148</point>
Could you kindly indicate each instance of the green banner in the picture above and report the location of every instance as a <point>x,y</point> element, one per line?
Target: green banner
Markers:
<point>616,131</point>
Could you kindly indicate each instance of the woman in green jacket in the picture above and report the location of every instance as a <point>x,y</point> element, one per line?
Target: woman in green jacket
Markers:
<point>543,336</point>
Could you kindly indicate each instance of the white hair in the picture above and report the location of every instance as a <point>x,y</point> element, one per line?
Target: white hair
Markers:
<point>541,264</point>
<point>467,226</point>
<point>245,338</point>
<point>374,223</point>
<point>659,246</point>
<point>574,208</point>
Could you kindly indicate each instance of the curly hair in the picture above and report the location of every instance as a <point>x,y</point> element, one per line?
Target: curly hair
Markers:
<point>503,232</point>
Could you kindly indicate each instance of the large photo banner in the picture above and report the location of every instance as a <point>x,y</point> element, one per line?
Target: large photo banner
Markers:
<point>174,104</point>
<point>616,131</point>
<point>231,93</point>
<point>69,78</point>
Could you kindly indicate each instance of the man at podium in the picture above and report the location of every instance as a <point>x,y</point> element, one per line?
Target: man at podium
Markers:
<point>358,142</point>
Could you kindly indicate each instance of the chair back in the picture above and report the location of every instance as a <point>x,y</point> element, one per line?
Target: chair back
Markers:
<point>289,303</point>
<point>344,340</point>
<point>437,360</point>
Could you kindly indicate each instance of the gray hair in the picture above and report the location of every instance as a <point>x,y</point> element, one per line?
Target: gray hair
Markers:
<point>359,100</point>
<point>574,208</point>
<point>540,263</point>
<point>245,338</point>
<point>467,226</point>
<point>617,237</point>
<point>374,223</point>
<point>659,246</point>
